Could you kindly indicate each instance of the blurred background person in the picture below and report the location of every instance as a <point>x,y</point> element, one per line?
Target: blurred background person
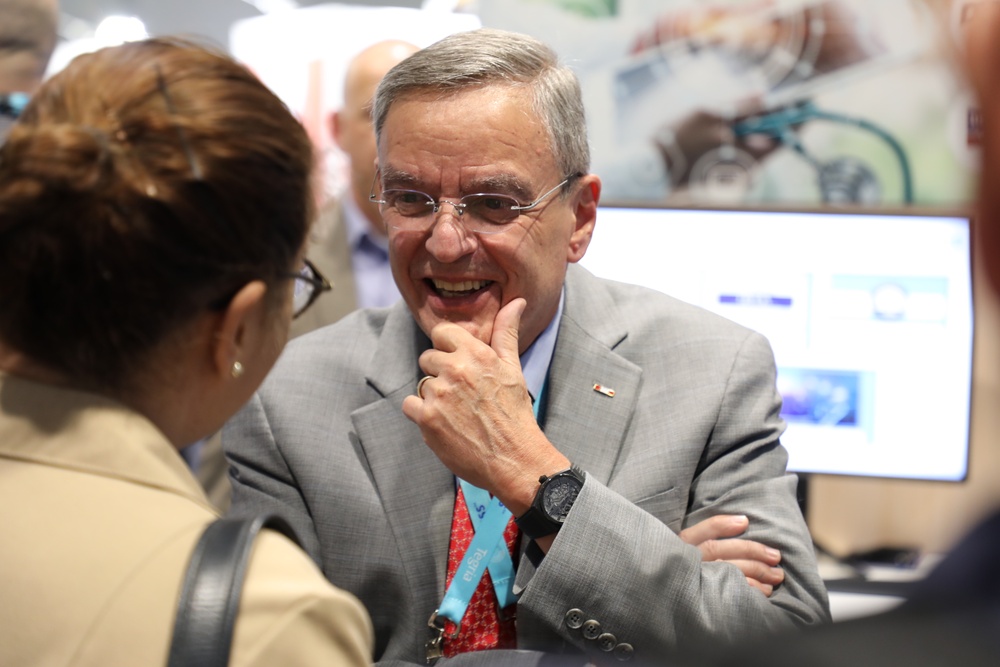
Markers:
<point>155,199</point>
<point>27,40</point>
<point>349,242</point>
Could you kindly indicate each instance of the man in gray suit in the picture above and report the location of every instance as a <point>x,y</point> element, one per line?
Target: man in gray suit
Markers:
<point>626,431</point>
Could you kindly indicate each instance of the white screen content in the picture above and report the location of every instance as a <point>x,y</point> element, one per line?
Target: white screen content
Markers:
<point>869,316</point>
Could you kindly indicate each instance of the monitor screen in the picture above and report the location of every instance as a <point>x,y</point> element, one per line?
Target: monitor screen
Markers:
<point>869,315</point>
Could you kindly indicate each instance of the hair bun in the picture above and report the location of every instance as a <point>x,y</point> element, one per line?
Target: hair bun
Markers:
<point>58,157</point>
<point>141,188</point>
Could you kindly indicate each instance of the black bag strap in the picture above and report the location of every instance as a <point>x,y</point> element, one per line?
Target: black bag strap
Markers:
<point>210,597</point>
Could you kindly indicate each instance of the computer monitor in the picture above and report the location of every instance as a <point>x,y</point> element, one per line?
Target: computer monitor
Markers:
<point>869,315</point>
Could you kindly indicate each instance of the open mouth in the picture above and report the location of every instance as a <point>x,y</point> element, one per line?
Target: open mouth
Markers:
<point>447,289</point>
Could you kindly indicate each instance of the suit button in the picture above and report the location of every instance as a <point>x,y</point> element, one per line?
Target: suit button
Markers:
<point>623,651</point>
<point>607,642</point>
<point>591,629</point>
<point>574,619</point>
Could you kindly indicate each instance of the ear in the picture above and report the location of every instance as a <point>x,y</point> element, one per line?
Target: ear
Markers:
<point>238,327</point>
<point>336,128</point>
<point>585,208</point>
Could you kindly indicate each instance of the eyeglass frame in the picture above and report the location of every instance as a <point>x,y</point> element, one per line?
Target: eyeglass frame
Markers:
<point>460,207</point>
<point>317,281</point>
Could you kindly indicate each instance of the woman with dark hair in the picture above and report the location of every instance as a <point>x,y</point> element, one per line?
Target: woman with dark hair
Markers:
<point>155,199</point>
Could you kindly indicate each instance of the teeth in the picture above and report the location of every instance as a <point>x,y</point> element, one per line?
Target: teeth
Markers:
<point>464,286</point>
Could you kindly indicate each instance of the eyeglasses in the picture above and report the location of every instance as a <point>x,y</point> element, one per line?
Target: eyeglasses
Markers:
<point>488,213</point>
<point>309,284</point>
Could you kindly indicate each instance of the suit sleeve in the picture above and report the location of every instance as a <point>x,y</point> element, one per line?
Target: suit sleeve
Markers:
<point>261,478</point>
<point>638,588</point>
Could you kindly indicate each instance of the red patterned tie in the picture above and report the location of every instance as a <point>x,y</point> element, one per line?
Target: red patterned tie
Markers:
<point>482,628</point>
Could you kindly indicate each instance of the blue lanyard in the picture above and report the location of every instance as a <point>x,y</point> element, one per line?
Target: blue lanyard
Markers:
<point>488,550</point>
<point>500,565</point>
<point>487,541</point>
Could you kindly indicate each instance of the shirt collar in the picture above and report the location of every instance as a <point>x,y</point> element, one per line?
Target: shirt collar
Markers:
<point>536,359</point>
<point>358,227</point>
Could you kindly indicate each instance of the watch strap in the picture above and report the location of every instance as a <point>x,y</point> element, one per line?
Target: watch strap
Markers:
<point>535,522</point>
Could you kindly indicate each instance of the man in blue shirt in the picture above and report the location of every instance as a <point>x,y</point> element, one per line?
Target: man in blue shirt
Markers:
<point>349,244</point>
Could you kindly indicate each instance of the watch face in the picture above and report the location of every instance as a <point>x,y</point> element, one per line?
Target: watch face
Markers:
<point>559,496</point>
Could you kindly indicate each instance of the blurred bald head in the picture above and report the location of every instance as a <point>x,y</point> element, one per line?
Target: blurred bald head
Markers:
<point>351,124</point>
<point>27,40</point>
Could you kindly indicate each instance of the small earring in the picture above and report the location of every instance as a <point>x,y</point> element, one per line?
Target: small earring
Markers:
<point>237,369</point>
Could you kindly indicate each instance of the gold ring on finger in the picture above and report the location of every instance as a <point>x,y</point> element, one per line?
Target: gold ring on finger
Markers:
<point>420,385</point>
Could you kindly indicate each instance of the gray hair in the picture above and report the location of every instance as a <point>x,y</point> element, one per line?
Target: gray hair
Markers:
<point>486,57</point>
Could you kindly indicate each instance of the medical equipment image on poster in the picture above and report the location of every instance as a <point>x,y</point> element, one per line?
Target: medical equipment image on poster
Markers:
<point>797,101</point>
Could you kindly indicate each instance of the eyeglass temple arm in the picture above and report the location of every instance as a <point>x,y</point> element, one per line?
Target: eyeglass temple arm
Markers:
<point>528,207</point>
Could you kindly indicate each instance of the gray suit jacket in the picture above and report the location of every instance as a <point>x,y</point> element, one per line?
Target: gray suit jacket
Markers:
<point>692,431</point>
<point>329,252</point>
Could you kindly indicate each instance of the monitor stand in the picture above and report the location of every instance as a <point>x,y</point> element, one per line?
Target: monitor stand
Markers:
<point>802,495</point>
<point>854,570</point>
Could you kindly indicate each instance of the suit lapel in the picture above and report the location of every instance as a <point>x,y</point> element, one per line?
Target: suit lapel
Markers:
<point>586,425</point>
<point>415,489</point>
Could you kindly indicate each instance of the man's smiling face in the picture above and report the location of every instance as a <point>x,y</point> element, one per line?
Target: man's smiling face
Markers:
<point>474,141</point>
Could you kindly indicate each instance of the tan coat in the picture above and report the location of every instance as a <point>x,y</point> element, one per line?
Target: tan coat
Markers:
<point>99,516</point>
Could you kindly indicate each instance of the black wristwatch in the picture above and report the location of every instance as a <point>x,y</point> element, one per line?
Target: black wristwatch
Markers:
<point>552,503</point>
